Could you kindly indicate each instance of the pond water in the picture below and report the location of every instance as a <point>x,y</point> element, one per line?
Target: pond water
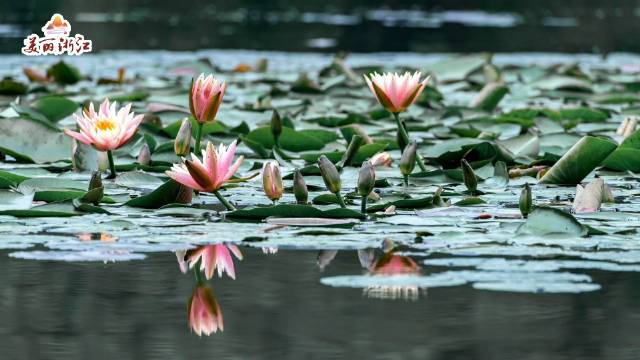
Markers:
<point>353,25</point>
<point>277,308</point>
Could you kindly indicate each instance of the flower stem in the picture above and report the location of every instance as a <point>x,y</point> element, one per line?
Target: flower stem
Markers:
<point>406,180</point>
<point>112,165</point>
<point>405,138</point>
<point>198,273</point>
<point>363,205</point>
<point>224,201</point>
<point>340,201</point>
<point>196,150</point>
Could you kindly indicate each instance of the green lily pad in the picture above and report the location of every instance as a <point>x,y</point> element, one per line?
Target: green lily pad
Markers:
<point>293,140</point>
<point>579,161</point>
<point>293,211</point>
<point>43,144</point>
<point>55,108</point>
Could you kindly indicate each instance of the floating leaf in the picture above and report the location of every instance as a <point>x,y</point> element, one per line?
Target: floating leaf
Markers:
<point>41,146</point>
<point>321,222</point>
<point>419,203</point>
<point>9,86</point>
<point>293,211</point>
<point>546,221</point>
<point>292,140</point>
<point>54,108</point>
<point>579,161</point>
<point>64,73</point>
<point>489,96</point>
<point>167,193</point>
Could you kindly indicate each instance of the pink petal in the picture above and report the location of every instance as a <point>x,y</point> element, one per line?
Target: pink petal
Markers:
<point>78,136</point>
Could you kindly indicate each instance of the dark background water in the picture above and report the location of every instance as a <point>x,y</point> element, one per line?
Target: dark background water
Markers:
<point>277,308</point>
<point>350,25</point>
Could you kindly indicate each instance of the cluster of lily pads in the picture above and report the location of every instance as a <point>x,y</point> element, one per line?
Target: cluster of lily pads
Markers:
<point>479,166</point>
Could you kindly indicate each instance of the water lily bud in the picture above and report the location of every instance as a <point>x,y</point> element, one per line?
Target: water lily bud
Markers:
<point>408,159</point>
<point>526,202</point>
<point>381,159</point>
<point>262,65</point>
<point>330,174</point>
<point>470,180</point>
<point>144,157</point>
<point>276,126</point>
<point>300,188</point>
<point>366,179</point>
<point>182,144</point>
<point>352,150</point>
<point>96,180</point>
<point>95,192</point>
<point>272,180</point>
<point>356,129</point>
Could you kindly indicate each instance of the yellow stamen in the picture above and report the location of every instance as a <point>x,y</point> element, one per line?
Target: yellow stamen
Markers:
<point>106,124</point>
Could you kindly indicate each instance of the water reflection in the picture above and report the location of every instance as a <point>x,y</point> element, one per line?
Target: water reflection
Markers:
<point>101,236</point>
<point>391,265</point>
<point>212,257</point>
<point>434,26</point>
<point>277,308</point>
<point>205,316</point>
<point>381,263</point>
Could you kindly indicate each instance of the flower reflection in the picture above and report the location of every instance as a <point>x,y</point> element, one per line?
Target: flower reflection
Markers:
<point>391,265</point>
<point>269,250</point>
<point>212,257</point>
<point>104,237</point>
<point>204,314</point>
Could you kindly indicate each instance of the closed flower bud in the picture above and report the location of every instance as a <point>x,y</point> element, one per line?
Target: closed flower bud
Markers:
<point>408,159</point>
<point>276,126</point>
<point>525,202</point>
<point>300,188</point>
<point>182,144</point>
<point>96,190</point>
<point>366,179</point>
<point>352,150</point>
<point>329,174</point>
<point>470,180</point>
<point>144,156</point>
<point>96,180</point>
<point>272,180</point>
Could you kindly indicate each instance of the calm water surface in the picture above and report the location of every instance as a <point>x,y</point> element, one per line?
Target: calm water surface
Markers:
<point>277,308</point>
<point>349,25</point>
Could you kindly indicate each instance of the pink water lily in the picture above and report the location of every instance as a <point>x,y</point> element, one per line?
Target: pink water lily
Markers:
<point>107,129</point>
<point>214,257</point>
<point>396,92</point>
<point>204,314</point>
<point>211,173</point>
<point>206,97</point>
